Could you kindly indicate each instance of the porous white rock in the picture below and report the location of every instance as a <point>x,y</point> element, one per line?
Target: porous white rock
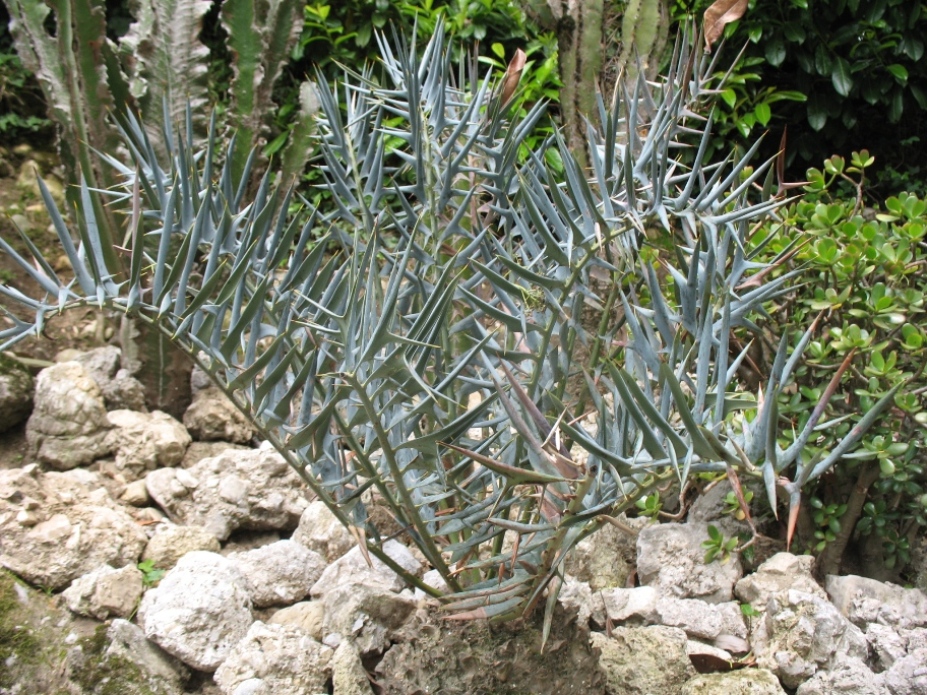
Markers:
<point>635,605</point>
<point>864,601</point>
<point>886,644</point>
<point>701,620</point>
<point>280,573</point>
<point>670,558</point>
<point>710,507</point>
<point>606,558</point>
<point>275,660</point>
<point>119,388</point>
<point>749,681</point>
<point>908,675</point>
<point>212,416</point>
<point>353,568</point>
<point>56,527</point>
<point>579,599</point>
<point>200,610</point>
<point>320,530</point>
<point>106,592</point>
<point>250,489</point>
<point>127,642</point>
<point>68,426</point>
<point>781,572</point>
<point>146,441</point>
<point>348,674</point>
<point>306,615</point>
<point>136,494</point>
<point>848,677</point>
<point>367,615</point>
<point>801,634</point>
<point>643,660</point>
<point>171,542</point>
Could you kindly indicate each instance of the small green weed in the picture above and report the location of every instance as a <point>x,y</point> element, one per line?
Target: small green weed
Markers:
<point>717,546</point>
<point>150,574</point>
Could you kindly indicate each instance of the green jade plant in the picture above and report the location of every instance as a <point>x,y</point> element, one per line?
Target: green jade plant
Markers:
<point>504,359</point>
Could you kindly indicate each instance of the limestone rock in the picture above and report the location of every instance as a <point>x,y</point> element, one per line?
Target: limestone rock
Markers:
<point>781,572</point>
<point>275,660</point>
<point>606,558</point>
<point>886,644</point>
<point>353,568</point>
<point>197,451</point>
<point>306,615</point>
<point>643,660</point>
<point>171,542</point>
<point>279,574</point>
<point>709,508</point>
<point>68,426</point>
<point>908,675</point>
<point>435,655</point>
<point>239,489</point>
<point>703,620</point>
<point>119,388</point>
<point>850,677</point>
<point>106,592</point>
<point>864,601</point>
<point>199,611</point>
<point>801,634</point>
<point>670,558</point>
<point>348,674</point>
<point>749,681</point>
<point>320,530</point>
<point>146,441</point>
<point>212,416</point>
<point>136,494</point>
<point>56,527</point>
<point>577,598</point>
<point>366,615</point>
<point>199,379</point>
<point>637,605</point>
<point>129,644</point>
<point>16,387</point>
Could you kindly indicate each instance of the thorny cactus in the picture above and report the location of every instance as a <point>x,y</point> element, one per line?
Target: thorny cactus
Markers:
<point>421,343</point>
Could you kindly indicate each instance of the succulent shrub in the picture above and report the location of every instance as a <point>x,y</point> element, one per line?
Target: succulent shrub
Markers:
<point>503,358</point>
<point>865,288</point>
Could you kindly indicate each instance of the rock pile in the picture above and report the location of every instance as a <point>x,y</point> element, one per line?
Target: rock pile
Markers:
<point>263,591</point>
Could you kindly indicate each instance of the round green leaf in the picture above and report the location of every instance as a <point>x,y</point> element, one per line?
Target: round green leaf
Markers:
<point>841,77</point>
<point>763,113</point>
<point>899,72</point>
<point>775,52</point>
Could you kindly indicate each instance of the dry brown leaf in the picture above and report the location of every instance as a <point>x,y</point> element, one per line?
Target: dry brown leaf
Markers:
<point>719,15</point>
<point>513,75</point>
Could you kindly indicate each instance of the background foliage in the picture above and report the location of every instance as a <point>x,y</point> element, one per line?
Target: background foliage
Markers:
<point>842,74</point>
<point>22,107</point>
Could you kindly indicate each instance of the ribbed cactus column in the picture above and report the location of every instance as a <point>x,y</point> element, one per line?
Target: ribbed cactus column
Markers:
<point>580,40</point>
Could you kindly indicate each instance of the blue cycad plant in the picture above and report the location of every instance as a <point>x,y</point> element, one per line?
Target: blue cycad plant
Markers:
<point>503,357</point>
